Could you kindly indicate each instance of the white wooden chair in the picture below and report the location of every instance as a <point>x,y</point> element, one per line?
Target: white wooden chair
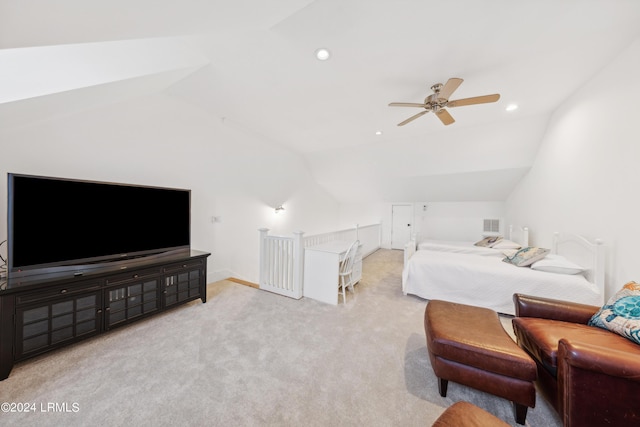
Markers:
<point>346,270</point>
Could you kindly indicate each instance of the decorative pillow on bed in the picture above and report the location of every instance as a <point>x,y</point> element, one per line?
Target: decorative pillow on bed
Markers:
<point>526,256</point>
<point>557,264</point>
<point>509,252</point>
<point>621,314</point>
<point>488,241</point>
<point>506,244</point>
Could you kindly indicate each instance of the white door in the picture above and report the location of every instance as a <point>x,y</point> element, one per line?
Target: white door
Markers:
<point>401,221</point>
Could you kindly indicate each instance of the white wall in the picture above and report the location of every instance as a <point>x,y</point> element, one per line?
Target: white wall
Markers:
<point>360,213</point>
<point>585,178</point>
<point>159,140</point>
<point>441,220</point>
<point>456,220</point>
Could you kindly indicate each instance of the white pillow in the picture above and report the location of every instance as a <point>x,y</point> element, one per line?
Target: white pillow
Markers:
<point>557,264</point>
<point>506,244</point>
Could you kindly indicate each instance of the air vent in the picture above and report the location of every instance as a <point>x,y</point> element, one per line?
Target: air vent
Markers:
<point>491,226</point>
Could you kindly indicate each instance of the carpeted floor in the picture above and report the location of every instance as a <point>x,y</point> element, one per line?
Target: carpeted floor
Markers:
<point>252,358</point>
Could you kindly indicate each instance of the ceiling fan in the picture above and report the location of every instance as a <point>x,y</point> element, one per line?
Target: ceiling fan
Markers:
<point>437,102</point>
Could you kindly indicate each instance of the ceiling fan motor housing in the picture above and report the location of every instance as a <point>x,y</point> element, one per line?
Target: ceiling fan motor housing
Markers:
<point>433,102</point>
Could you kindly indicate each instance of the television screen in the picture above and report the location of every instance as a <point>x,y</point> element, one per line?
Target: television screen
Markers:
<point>56,222</point>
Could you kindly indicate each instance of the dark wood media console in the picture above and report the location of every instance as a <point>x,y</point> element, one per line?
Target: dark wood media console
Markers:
<point>39,314</point>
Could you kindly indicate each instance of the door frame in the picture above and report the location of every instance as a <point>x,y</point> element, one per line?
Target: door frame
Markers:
<point>411,221</point>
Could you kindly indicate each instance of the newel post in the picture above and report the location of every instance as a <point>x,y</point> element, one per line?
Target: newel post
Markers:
<point>298,263</point>
<point>263,255</point>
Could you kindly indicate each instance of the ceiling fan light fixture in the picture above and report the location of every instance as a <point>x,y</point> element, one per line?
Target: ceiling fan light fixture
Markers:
<point>511,107</point>
<point>322,54</point>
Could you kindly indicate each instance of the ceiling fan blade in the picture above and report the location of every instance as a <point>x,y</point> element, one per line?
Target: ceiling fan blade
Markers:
<point>449,87</point>
<point>445,117</point>
<point>412,118</point>
<point>475,100</point>
<point>406,104</point>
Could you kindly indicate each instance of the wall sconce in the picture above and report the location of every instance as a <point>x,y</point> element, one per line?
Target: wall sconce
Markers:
<point>280,209</point>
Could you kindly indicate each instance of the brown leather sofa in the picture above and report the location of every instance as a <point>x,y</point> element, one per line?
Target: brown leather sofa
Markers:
<point>591,376</point>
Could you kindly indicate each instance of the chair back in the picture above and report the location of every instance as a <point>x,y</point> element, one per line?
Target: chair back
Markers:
<point>346,266</point>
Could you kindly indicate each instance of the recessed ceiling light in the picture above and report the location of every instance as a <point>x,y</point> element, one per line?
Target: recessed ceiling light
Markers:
<point>322,54</point>
<point>378,132</point>
<point>512,107</point>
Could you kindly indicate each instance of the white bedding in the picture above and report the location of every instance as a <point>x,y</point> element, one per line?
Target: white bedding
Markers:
<point>458,247</point>
<point>487,281</point>
<point>516,236</point>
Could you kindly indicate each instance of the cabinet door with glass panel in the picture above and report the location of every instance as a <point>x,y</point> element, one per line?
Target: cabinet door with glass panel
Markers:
<point>45,325</point>
<point>131,301</point>
<point>183,282</point>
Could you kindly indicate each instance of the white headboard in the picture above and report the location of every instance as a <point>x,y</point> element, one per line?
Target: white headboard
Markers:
<point>519,235</point>
<point>590,255</point>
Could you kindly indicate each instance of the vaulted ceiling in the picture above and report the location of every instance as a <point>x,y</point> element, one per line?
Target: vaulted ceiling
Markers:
<point>251,64</point>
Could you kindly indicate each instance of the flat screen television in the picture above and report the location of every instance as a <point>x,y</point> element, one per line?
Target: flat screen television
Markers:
<point>58,224</point>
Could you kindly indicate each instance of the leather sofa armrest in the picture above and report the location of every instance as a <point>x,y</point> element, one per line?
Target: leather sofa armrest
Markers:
<point>603,360</point>
<point>553,309</point>
<point>598,385</point>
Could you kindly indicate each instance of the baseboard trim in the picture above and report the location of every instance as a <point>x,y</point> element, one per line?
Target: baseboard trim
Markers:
<point>216,276</point>
<point>243,282</point>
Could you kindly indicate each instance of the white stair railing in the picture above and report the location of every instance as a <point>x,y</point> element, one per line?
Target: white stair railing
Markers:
<point>369,235</point>
<point>282,258</point>
<point>281,263</point>
<point>349,234</point>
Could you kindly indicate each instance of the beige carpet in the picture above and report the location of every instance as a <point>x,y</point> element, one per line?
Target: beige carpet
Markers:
<point>252,358</point>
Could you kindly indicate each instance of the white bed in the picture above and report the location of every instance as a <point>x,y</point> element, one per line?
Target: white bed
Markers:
<point>489,282</point>
<point>518,235</point>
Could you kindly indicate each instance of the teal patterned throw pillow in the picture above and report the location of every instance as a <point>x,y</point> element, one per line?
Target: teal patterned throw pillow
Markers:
<point>526,256</point>
<point>621,314</point>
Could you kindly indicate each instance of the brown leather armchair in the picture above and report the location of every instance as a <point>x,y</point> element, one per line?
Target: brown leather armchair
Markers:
<point>591,376</point>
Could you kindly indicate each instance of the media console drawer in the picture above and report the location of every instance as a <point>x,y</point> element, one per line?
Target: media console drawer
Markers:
<point>185,265</point>
<point>57,291</point>
<point>133,275</point>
